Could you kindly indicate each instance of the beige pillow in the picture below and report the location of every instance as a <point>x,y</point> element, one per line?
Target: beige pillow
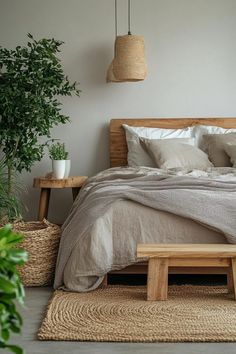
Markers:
<point>137,156</point>
<point>231,152</point>
<point>172,154</point>
<point>215,144</point>
<point>200,130</point>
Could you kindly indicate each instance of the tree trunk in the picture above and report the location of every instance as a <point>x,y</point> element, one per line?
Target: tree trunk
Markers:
<point>9,178</point>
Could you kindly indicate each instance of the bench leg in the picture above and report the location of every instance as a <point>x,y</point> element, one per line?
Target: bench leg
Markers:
<point>233,265</point>
<point>157,285</point>
<point>230,282</point>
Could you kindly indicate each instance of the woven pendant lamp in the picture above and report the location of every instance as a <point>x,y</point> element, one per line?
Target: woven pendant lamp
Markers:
<point>110,72</point>
<point>129,63</point>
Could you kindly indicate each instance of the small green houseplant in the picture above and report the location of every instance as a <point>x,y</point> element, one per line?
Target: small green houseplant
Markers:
<point>11,288</point>
<point>31,81</point>
<point>60,162</point>
<point>57,151</point>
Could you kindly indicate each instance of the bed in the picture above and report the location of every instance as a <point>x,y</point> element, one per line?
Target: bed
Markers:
<point>168,228</point>
<point>118,157</point>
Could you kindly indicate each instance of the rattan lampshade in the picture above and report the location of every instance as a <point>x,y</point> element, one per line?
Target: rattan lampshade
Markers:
<point>129,63</point>
<point>110,72</point>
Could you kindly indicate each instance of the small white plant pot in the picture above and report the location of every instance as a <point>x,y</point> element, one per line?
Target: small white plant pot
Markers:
<point>67,168</point>
<point>58,168</point>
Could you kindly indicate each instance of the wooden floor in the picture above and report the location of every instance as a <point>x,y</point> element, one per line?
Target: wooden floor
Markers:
<point>37,299</point>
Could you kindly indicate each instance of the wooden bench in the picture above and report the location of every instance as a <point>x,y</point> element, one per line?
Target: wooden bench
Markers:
<point>161,256</point>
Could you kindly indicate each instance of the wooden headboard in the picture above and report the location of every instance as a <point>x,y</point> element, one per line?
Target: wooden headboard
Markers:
<point>118,147</point>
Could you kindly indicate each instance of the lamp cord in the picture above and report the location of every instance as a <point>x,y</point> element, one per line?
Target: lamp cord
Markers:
<point>129,17</point>
<point>116,17</point>
<point>129,32</point>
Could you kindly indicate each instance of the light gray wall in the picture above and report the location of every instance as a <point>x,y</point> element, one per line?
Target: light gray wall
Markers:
<point>191,54</point>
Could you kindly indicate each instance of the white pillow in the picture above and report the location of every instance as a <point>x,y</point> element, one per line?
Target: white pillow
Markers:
<point>200,130</point>
<point>137,156</point>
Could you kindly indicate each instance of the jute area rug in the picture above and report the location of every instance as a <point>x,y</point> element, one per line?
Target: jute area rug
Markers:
<point>122,314</point>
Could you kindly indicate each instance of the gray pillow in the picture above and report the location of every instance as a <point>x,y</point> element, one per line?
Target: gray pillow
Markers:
<point>231,152</point>
<point>215,144</point>
<point>172,154</point>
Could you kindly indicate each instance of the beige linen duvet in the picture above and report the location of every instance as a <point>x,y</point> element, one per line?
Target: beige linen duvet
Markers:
<point>121,207</point>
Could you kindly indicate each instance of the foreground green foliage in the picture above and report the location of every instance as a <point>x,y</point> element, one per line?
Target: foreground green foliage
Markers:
<point>11,288</point>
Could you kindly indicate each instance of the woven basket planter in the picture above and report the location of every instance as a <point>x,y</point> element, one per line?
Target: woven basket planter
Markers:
<point>41,241</point>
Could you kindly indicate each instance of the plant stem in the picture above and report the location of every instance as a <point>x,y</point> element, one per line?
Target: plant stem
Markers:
<point>9,168</point>
<point>9,178</point>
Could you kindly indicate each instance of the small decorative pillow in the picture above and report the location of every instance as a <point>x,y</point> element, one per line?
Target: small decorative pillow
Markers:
<point>231,152</point>
<point>215,144</point>
<point>172,154</point>
<point>137,156</point>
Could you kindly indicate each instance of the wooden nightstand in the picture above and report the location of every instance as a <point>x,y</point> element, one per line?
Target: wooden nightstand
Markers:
<point>46,184</point>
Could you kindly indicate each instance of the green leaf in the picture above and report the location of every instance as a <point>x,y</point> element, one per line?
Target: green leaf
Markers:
<point>5,334</point>
<point>10,240</point>
<point>20,292</point>
<point>6,286</point>
<point>17,256</point>
<point>15,349</point>
<point>15,329</point>
<point>5,231</point>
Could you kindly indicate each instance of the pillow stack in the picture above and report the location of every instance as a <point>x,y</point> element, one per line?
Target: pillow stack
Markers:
<point>197,147</point>
<point>137,155</point>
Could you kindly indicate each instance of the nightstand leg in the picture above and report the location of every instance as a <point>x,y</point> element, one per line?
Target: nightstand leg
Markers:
<point>75,192</point>
<point>44,203</point>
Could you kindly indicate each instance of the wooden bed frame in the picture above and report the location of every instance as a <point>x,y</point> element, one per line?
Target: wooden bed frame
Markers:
<point>118,157</point>
<point>118,147</point>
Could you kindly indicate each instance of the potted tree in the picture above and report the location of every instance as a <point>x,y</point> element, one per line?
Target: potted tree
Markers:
<point>31,81</point>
